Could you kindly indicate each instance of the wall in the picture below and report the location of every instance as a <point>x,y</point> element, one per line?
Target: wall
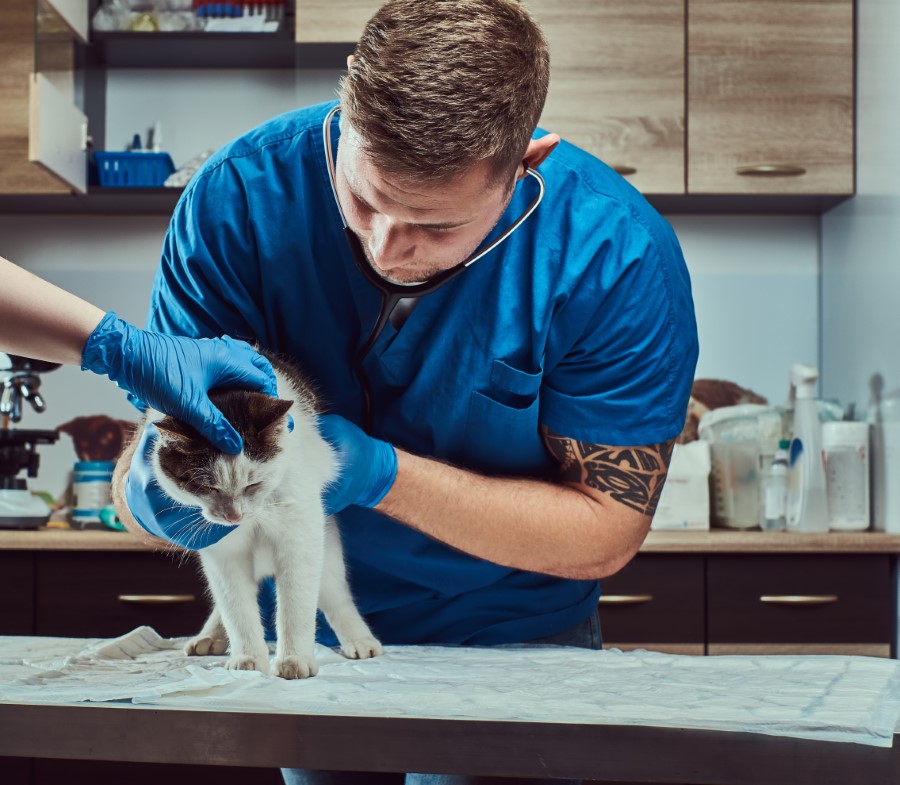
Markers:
<point>755,278</point>
<point>861,238</point>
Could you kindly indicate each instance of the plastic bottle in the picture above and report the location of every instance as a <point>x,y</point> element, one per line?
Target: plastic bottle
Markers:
<point>807,509</point>
<point>773,504</point>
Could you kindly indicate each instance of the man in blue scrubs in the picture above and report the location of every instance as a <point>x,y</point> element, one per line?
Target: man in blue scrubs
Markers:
<point>521,416</point>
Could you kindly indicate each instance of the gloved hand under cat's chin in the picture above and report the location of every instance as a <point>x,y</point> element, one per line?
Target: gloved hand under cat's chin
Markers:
<point>368,465</point>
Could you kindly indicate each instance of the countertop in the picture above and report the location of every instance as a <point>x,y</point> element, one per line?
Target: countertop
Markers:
<point>713,541</point>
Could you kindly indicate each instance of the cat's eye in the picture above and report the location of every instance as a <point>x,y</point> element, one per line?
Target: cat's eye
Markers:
<point>253,487</point>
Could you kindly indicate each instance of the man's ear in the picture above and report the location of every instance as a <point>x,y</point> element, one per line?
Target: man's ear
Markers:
<point>350,59</point>
<point>537,151</point>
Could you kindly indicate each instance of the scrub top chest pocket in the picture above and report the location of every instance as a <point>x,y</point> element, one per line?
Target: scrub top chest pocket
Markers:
<point>502,431</point>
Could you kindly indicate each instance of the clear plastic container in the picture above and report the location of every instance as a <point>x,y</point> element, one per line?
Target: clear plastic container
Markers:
<point>743,440</point>
<point>846,449</point>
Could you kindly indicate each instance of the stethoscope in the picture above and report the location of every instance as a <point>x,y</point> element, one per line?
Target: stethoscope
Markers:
<point>391,292</point>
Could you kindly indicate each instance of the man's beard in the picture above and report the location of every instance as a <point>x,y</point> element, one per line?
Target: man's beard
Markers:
<point>417,273</point>
<point>424,271</point>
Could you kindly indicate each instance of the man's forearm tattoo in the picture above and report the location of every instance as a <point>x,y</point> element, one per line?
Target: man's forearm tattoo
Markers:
<point>633,476</point>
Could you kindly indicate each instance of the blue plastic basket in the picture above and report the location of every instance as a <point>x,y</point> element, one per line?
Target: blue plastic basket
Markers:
<point>133,170</point>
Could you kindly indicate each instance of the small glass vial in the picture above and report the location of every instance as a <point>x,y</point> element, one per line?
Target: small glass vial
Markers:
<point>773,493</point>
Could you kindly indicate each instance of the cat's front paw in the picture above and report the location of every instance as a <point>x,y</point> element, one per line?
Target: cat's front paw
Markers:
<point>247,662</point>
<point>362,648</point>
<point>202,646</point>
<point>295,666</point>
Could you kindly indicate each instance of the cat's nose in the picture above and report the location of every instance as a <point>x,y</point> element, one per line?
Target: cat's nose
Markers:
<point>233,516</point>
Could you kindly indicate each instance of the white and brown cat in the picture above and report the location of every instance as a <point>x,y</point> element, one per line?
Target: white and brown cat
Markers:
<point>271,493</point>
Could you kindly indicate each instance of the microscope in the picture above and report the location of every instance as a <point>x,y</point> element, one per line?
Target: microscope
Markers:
<point>20,382</point>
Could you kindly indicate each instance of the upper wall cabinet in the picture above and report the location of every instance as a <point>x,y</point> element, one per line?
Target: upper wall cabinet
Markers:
<point>331,22</point>
<point>617,84</point>
<point>617,77</point>
<point>42,133</point>
<point>770,97</point>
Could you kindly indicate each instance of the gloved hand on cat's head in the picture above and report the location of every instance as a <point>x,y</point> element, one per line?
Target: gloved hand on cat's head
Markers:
<point>368,466</point>
<point>174,374</point>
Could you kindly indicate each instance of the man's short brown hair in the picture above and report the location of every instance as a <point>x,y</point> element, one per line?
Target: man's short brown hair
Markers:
<point>438,85</point>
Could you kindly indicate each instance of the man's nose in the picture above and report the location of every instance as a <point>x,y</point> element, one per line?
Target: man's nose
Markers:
<point>390,244</point>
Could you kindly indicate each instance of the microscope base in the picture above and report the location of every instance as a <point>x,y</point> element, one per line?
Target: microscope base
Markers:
<point>20,510</point>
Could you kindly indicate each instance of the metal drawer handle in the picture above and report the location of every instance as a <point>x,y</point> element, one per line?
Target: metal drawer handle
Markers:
<point>624,170</point>
<point>799,599</point>
<point>156,599</point>
<point>625,599</point>
<point>771,170</point>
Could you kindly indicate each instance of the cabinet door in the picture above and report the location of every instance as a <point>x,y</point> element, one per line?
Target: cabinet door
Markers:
<point>770,97</point>
<point>108,594</point>
<point>57,129</point>
<point>617,84</point>
<point>16,593</point>
<point>813,604</point>
<point>17,53</point>
<point>332,21</point>
<point>655,602</point>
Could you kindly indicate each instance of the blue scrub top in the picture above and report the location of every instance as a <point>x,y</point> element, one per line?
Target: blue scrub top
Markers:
<point>581,321</point>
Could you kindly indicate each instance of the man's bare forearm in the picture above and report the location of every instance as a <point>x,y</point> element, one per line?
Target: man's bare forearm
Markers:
<point>529,524</point>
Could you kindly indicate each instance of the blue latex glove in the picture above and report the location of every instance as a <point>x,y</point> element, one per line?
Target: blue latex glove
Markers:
<point>157,512</point>
<point>174,375</point>
<point>368,465</point>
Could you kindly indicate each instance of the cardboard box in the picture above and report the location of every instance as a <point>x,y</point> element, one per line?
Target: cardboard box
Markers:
<point>684,503</point>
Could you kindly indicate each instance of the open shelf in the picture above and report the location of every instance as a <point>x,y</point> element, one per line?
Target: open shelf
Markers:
<point>213,50</point>
<point>161,201</point>
<point>97,201</point>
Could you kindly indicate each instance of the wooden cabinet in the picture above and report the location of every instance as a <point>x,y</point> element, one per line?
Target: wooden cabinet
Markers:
<point>767,86</point>
<point>770,97</point>
<point>103,595</point>
<point>43,134</point>
<point>656,602</point>
<point>704,105</point>
<point>330,22</point>
<point>617,77</point>
<point>812,604</point>
<point>617,84</point>
<point>721,603</point>
<point>16,593</point>
<point>18,175</point>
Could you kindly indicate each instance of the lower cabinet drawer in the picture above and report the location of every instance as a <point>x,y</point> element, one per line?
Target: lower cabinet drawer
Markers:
<point>815,603</point>
<point>655,602</point>
<point>16,593</point>
<point>107,594</point>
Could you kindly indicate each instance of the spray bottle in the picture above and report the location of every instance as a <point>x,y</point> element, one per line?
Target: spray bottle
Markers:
<point>807,508</point>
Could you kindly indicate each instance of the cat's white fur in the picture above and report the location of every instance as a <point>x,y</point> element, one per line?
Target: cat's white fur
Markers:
<point>284,533</point>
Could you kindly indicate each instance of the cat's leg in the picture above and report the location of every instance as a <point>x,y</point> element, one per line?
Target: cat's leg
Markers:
<point>336,602</point>
<point>297,555</point>
<point>234,590</point>
<point>212,639</point>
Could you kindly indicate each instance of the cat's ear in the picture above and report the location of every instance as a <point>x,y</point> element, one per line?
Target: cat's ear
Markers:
<point>267,411</point>
<point>175,430</point>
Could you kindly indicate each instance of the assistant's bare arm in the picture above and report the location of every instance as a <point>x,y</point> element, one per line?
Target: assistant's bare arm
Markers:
<point>41,320</point>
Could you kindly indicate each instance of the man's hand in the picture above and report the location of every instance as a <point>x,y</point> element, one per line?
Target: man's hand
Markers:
<point>367,466</point>
<point>175,374</point>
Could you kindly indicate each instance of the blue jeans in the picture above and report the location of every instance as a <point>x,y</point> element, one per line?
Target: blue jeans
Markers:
<point>585,635</point>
